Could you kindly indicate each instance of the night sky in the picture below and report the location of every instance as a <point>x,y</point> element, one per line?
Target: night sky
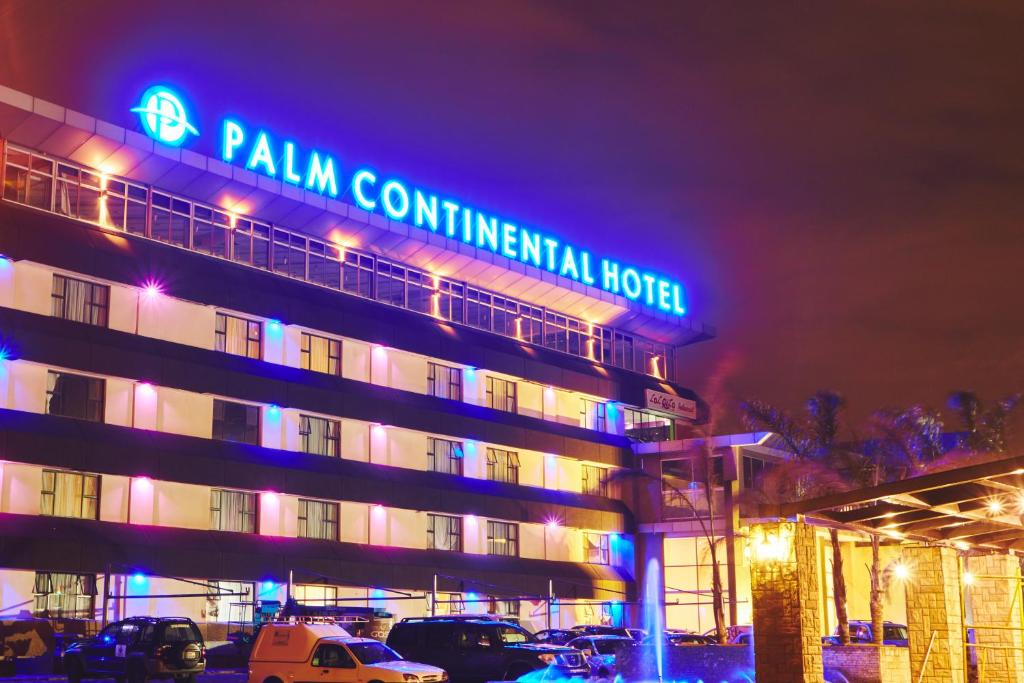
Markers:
<point>840,186</point>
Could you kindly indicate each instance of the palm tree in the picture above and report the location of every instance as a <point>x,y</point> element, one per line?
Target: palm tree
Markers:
<point>984,430</point>
<point>904,442</point>
<point>812,440</point>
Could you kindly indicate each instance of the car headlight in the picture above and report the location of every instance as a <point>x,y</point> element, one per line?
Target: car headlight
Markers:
<point>548,659</point>
<point>410,678</point>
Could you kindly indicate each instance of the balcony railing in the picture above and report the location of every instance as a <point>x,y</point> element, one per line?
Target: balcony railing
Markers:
<point>86,194</point>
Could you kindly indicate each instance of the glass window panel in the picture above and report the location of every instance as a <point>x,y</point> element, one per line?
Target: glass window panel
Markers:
<point>237,422</point>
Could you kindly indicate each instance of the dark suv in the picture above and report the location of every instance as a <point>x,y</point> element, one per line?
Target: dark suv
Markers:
<point>473,650</point>
<point>139,648</point>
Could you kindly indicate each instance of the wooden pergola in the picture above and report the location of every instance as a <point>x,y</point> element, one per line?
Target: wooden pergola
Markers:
<point>979,505</point>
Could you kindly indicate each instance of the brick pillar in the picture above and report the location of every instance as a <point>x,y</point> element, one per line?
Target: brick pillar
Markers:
<point>996,602</point>
<point>784,588</point>
<point>933,606</point>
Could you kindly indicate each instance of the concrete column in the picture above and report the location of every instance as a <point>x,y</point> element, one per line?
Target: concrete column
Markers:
<point>995,600</point>
<point>784,588</point>
<point>933,607</point>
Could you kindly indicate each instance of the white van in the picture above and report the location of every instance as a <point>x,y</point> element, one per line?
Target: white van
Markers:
<point>326,653</point>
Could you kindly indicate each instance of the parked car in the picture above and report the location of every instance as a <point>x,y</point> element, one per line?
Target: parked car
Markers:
<point>600,630</point>
<point>637,634</point>
<point>477,650</point>
<point>327,653</point>
<point>860,632</point>
<point>601,652</point>
<point>740,634</point>
<point>137,649</point>
<point>555,636</point>
<point>681,639</point>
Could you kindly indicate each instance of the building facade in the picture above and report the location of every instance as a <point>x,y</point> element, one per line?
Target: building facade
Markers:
<point>218,389</point>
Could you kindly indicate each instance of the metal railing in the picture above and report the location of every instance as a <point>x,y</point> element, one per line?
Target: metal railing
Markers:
<point>86,194</point>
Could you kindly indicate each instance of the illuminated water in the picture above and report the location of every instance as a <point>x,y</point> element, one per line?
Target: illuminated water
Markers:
<point>654,620</point>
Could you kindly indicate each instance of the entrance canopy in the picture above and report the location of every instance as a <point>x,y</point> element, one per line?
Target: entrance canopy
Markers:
<point>979,504</point>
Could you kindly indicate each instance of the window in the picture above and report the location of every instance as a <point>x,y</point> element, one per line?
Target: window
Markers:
<point>501,394</point>
<point>238,336</point>
<point>595,548</point>
<point>70,494</point>
<point>503,539</point>
<point>644,426</point>
<point>315,594</point>
<point>321,354</point>
<point>444,532</point>
<point>229,601</point>
<point>320,436</point>
<point>318,519</point>
<point>75,396</point>
<point>444,381</point>
<point>233,511</point>
<point>444,456</point>
<point>505,608</point>
<point>79,300</point>
<point>753,468</point>
<point>236,422</point>
<point>64,595</point>
<point>502,465</point>
<point>592,415</point>
<point>595,480</point>
<point>332,657</point>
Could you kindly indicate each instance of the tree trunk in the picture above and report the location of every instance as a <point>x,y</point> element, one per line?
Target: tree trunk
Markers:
<point>839,588</point>
<point>877,621</point>
<point>716,596</point>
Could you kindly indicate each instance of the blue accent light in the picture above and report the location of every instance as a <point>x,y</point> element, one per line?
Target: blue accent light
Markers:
<point>139,579</point>
<point>289,174</point>
<point>163,116</point>
<point>261,156</point>
<point>395,199</point>
<point>366,203</point>
<point>269,586</point>
<point>234,136</point>
<point>320,175</point>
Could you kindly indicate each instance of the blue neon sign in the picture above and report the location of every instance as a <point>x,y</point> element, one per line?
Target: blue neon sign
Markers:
<point>164,118</point>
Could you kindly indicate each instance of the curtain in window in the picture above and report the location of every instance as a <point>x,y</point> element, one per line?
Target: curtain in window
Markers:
<point>236,336</point>
<point>320,435</point>
<point>319,519</point>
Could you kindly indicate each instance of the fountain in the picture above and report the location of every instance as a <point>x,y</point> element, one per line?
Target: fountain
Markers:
<point>654,619</point>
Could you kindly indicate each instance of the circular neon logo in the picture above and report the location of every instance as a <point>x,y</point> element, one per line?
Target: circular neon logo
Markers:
<point>163,116</point>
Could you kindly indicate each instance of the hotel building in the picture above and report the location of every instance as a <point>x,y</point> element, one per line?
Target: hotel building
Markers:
<point>218,388</point>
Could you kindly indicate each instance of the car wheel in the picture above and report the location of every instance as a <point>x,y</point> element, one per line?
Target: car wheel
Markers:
<point>272,679</point>
<point>602,673</point>
<point>73,669</point>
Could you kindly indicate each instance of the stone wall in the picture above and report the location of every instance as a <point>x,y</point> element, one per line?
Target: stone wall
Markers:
<point>995,600</point>
<point>934,615</point>
<point>784,589</point>
<point>869,663</point>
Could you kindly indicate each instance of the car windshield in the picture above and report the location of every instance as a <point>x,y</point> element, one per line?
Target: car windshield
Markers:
<point>608,646</point>
<point>895,633</point>
<point>373,653</point>
<point>513,634</point>
<point>181,632</point>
